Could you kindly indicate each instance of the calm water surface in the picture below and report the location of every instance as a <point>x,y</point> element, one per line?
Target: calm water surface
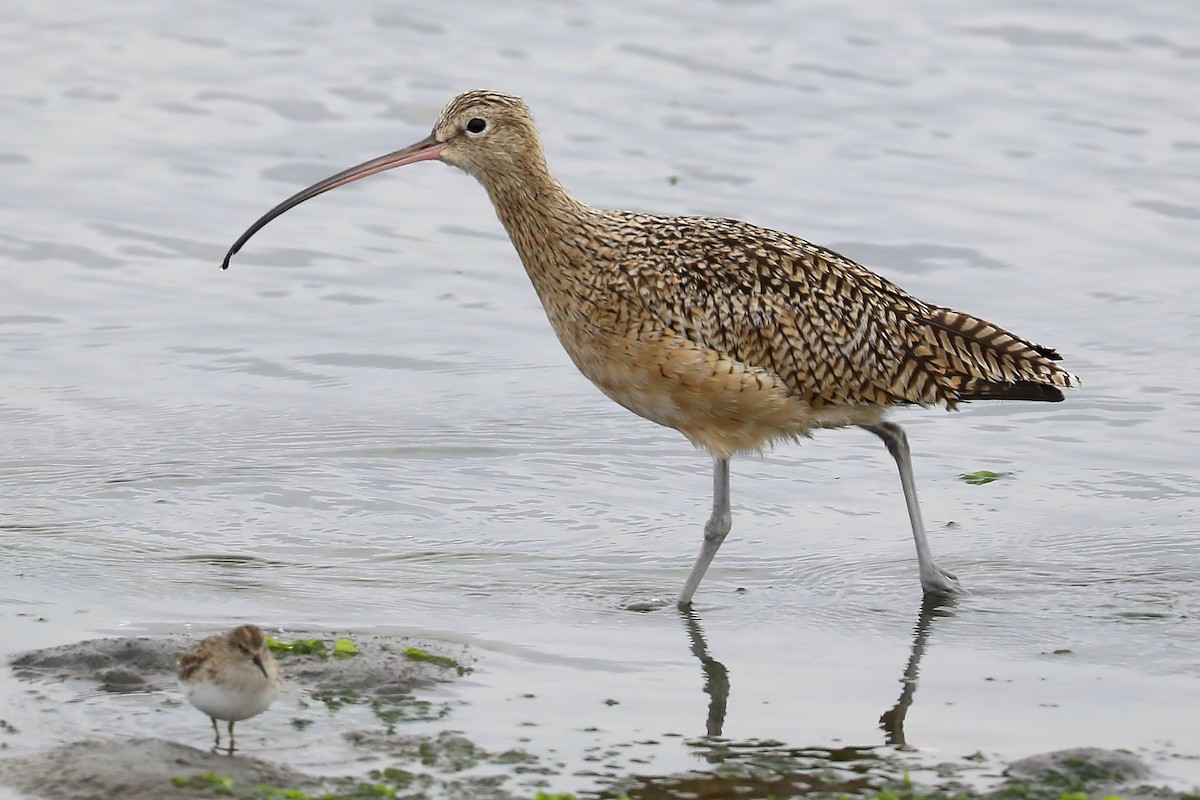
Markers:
<point>367,423</point>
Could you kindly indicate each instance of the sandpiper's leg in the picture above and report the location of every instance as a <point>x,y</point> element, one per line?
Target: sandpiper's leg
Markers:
<point>934,579</point>
<point>715,531</point>
<point>230,737</point>
<point>216,733</point>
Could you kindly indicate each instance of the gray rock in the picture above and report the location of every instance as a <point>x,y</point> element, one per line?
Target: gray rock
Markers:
<point>116,665</point>
<point>134,769</point>
<point>1089,766</point>
<point>381,668</point>
<point>1093,770</point>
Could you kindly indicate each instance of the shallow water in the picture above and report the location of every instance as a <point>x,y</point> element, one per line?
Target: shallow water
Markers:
<point>367,424</point>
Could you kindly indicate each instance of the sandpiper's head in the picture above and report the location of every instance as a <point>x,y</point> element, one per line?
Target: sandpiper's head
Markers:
<point>486,133</point>
<point>249,641</point>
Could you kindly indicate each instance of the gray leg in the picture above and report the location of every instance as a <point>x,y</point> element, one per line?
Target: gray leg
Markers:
<point>230,737</point>
<point>216,733</point>
<point>715,531</point>
<point>934,579</point>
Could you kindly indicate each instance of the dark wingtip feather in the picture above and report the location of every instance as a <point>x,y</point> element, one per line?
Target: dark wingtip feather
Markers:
<point>1020,390</point>
<point>1047,352</point>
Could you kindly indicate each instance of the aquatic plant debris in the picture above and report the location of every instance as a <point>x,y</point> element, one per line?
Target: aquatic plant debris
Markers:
<point>222,783</point>
<point>298,647</point>
<point>450,767</point>
<point>343,647</point>
<point>336,698</point>
<point>980,477</point>
<point>417,654</point>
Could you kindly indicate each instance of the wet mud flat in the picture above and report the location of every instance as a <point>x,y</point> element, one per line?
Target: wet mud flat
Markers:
<point>383,680</point>
<point>402,744</point>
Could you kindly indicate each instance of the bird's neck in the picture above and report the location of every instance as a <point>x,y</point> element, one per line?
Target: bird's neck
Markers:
<point>557,236</point>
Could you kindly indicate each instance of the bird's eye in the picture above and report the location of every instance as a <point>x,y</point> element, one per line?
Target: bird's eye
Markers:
<point>476,125</point>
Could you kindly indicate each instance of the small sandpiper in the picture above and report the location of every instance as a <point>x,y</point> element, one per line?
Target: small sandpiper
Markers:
<point>230,676</point>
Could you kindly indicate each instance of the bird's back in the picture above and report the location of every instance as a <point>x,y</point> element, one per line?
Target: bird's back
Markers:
<point>832,330</point>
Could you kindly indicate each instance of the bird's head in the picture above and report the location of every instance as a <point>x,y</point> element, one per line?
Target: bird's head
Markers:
<point>485,133</point>
<point>251,643</point>
<point>488,134</point>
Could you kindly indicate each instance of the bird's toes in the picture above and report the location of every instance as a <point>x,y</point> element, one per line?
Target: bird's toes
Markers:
<point>942,584</point>
<point>645,604</point>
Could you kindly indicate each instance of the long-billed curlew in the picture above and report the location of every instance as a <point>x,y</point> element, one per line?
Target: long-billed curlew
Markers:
<point>734,335</point>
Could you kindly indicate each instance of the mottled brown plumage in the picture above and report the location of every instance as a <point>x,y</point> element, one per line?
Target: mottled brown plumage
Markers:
<point>230,676</point>
<point>735,335</point>
<point>246,641</point>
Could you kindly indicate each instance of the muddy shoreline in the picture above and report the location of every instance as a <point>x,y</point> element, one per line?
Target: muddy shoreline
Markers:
<point>391,678</point>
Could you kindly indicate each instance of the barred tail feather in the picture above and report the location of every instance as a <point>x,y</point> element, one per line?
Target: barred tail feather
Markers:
<point>982,361</point>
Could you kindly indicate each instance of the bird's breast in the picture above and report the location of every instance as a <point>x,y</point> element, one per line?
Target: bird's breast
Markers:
<point>717,402</point>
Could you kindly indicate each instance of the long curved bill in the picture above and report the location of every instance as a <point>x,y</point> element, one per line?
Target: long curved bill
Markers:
<point>424,150</point>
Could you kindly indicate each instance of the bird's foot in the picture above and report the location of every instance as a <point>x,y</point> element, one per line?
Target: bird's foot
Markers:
<point>940,583</point>
<point>645,604</point>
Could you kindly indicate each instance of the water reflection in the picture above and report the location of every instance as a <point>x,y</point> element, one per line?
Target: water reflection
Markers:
<point>765,767</point>
<point>716,676</point>
<point>891,722</point>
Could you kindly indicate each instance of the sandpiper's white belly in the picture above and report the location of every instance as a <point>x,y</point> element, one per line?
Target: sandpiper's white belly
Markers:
<point>233,701</point>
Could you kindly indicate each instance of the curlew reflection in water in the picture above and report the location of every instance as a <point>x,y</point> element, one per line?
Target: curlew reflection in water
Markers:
<point>891,722</point>
<point>716,676</point>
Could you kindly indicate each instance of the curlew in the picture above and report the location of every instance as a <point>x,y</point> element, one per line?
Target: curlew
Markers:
<point>736,336</point>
